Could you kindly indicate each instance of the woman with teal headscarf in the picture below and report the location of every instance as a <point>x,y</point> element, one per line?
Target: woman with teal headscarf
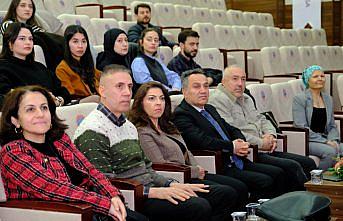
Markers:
<point>313,110</point>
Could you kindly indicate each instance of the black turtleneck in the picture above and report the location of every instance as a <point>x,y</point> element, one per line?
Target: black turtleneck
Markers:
<point>49,149</point>
<point>15,72</point>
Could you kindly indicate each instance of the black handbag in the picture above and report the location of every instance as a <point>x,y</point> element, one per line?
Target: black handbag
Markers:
<point>296,206</point>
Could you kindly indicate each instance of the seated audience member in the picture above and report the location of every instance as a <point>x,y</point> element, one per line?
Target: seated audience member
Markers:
<point>39,161</point>
<point>162,142</point>
<point>111,142</point>
<point>143,15</point>
<point>189,45</point>
<point>202,128</point>
<point>147,68</point>
<point>18,67</point>
<point>117,50</point>
<point>52,44</point>
<point>313,110</point>
<point>76,71</point>
<point>237,109</point>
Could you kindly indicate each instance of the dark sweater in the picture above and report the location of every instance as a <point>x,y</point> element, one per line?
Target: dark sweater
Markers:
<point>15,72</point>
<point>135,32</point>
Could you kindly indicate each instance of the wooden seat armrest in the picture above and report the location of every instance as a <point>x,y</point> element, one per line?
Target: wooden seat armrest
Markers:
<point>129,184</point>
<point>217,155</point>
<point>254,152</point>
<point>283,137</point>
<point>65,207</point>
<point>172,167</point>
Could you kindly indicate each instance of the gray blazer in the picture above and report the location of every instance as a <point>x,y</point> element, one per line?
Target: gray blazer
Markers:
<point>302,113</point>
<point>160,148</point>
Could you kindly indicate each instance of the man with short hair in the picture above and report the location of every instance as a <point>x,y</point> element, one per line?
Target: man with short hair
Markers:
<point>189,45</point>
<point>111,143</point>
<point>202,128</point>
<point>143,14</point>
<point>237,108</point>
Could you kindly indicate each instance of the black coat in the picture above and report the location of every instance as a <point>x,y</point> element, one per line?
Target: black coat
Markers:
<point>15,72</point>
<point>199,133</point>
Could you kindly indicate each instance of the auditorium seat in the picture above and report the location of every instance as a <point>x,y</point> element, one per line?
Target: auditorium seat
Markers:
<point>210,58</point>
<point>289,37</point>
<point>336,58</point>
<point>201,14</point>
<point>165,14</point>
<point>305,36</point>
<point>218,17</point>
<point>100,26</point>
<point>290,59</point>
<point>259,36</point>
<point>339,83</point>
<point>322,55</point>
<point>319,37</point>
<point>235,17</point>
<point>297,86</point>
<point>125,25</point>
<point>203,4</point>
<point>39,54</point>
<point>184,15</point>
<point>251,18</point>
<point>206,32</point>
<point>219,4</point>
<point>282,101</point>
<point>274,36</point>
<point>307,56</point>
<point>165,54</point>
<point>266,19</point>
<point>57,8</point>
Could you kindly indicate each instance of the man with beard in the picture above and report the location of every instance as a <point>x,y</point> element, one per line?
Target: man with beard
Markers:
<point>189,44</point>
<point>143,14</point>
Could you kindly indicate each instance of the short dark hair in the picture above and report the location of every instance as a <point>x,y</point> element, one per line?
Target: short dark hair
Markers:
<point>139,117</point>
<point>113,68</point>
<point>10,36</point>
<point>10,109</point>
<point>185,75</point>
<point>183,35</point>
<point>141,5</point>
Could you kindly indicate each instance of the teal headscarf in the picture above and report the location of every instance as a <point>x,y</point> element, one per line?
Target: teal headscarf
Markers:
<point>307,73</point>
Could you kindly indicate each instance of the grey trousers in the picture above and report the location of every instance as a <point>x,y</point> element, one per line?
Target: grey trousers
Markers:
<point>326,153</point>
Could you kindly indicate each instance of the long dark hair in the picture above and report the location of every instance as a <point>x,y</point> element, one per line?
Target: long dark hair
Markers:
<point>12,13</point>
<point>84,67</point>
<point>139,117</point>
<point>10,109</point>
<point>10,36</point>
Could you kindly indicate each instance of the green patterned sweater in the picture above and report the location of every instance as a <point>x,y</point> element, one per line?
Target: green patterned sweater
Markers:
<point>115,150</point>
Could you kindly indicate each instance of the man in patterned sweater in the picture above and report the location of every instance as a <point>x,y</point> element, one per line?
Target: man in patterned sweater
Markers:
<point>111,143</point>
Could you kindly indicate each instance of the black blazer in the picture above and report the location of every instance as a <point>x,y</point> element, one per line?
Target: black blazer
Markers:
<point>199,133</point>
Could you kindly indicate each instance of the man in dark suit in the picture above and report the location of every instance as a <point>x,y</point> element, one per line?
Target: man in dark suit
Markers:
<point>202,128</point>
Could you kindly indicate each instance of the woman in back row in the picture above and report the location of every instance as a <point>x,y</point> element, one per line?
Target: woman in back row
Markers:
<point>18,67</point>
<point>76,71</point>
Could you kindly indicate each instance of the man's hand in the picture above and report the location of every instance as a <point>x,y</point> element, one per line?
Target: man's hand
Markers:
<point>332,143</point>
<point>202,172</point>
<point>269,142</point>
<point>241,148</point>
<point>191,188</point>
<point>209,80</point>
<point>118,209</point>
<point>169,193</point>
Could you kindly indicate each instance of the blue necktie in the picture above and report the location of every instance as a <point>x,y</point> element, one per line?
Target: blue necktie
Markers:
<point>237,161</point>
